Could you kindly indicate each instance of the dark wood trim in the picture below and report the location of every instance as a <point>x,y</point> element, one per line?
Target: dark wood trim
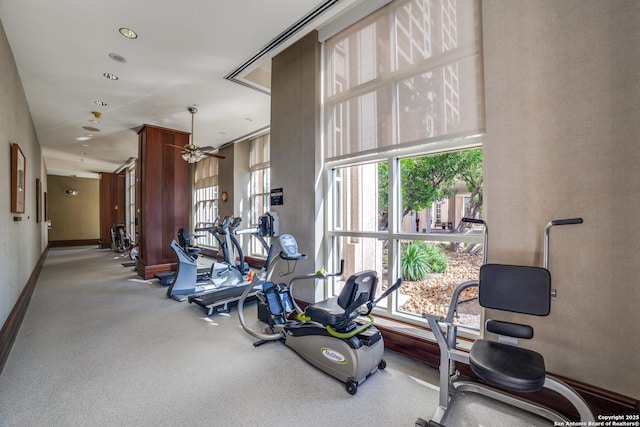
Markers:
<point>163,191</point>
<point>148,272</point>
<point>112,205</point>
<point>64,243</point>
<point>12,324</point>
<point>254,262</point>
<point>600,401</point>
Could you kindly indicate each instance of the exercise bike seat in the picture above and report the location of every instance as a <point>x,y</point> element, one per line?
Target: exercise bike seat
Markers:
<point>339,310</point>
<point>519,289</point>
<point>504,365</point>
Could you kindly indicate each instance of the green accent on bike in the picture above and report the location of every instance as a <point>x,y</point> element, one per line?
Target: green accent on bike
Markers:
<point>356,331</point>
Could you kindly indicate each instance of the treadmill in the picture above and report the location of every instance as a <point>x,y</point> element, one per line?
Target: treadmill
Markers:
<point>221,299</point>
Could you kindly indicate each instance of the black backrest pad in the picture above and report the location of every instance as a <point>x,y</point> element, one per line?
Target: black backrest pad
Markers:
<point>515,288</point>
<point>183,238</point>
<point>364,281</point>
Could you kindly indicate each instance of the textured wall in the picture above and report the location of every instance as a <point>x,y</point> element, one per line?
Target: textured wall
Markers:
<point>21,242</point>
<point>296,149</point>
<point>562,121</point>
<point>74,218</point>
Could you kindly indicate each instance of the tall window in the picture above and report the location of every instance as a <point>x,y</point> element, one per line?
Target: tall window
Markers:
<point>403,126</point>
<point>130,183</point>
<point>259,159</point>
<point>205,198</point>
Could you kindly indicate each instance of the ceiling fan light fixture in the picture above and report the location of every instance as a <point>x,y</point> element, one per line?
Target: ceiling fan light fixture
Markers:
<point>192,156</point>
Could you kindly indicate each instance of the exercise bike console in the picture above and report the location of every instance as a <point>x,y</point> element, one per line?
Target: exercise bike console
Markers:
<point>290,248</point>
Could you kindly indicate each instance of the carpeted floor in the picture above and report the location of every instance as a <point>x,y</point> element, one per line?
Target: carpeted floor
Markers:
<point>101,347</point>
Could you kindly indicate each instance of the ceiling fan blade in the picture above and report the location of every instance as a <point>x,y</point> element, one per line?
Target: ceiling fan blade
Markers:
<point>206,150</point>
<point>217,156</point>
<point>176,146</point>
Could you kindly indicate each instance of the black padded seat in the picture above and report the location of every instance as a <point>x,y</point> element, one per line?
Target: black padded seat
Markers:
<point>333,311</point>
<point>327,312</point>
<point>507,366</point>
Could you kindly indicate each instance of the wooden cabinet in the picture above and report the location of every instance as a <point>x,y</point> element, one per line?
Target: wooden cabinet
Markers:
<point>163,197</point>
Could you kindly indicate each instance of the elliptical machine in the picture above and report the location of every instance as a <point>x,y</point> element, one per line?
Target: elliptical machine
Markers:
<point>187,282</point>
<point>332,335</point>
<point>120,238</point>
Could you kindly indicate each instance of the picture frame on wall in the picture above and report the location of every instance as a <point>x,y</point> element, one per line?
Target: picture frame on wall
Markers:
<point>18,178</point>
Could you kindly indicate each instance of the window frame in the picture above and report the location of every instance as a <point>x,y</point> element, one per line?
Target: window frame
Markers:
<point>393,234</point>
<point>259,172</point>
<point>205,198</point>
<point>130,213</point>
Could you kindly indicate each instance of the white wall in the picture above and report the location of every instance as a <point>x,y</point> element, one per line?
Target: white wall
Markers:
<point>563,127</point>
<point>21,242</point>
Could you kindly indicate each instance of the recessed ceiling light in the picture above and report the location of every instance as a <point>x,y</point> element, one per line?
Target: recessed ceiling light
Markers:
<point>128,33</point>
<point>110,76</point>
<point>102,103</point>
<point>117,58</point>
<point>94,121</point>
<point>84,138</point>
<point>91,128</point>
<point>85,145</point>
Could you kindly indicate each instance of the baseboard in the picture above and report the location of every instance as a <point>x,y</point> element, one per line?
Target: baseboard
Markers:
<point>83,242</point>
<point>600,401</point>
<point>12,324</point>
<point>148,272</point>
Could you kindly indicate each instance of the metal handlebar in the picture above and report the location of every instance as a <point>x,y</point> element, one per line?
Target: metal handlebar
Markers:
<point>320,274</point>
<point>485,235</point>
<point>568,221</point>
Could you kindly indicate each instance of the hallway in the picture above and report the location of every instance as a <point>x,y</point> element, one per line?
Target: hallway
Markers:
<point>101,347</point>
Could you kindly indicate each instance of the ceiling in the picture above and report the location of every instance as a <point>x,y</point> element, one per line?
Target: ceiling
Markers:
<point>211,54</point>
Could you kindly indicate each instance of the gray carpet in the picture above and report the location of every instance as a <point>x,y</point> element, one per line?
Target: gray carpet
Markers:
<point>100,347</point>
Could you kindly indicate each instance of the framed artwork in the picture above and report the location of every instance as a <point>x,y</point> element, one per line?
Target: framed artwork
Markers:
<point>38,200</point>
<point>18,173</point>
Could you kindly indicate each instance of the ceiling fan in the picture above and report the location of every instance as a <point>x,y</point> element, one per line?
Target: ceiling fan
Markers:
<point>192,153</point>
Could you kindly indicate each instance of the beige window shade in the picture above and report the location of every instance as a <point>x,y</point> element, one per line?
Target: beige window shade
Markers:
<point>260,152</point>
<point>206,173</point>
<point>408,74</point>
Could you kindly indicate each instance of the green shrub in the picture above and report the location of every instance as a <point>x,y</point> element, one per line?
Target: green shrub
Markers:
<point>419,259</point>
<point>438,261</point>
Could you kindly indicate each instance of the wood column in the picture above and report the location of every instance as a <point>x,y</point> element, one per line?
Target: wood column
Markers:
<point>112,205</point>
<point>164,197</point>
